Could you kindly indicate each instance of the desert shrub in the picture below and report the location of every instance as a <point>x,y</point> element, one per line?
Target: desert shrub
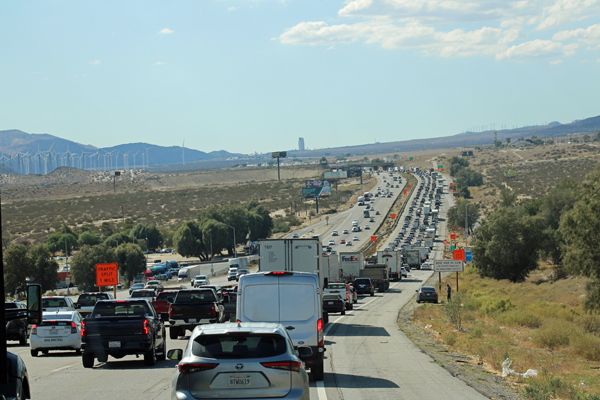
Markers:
<point>553,335</point>
<point>586,346</point>
<point>450,339</point>
<point>590,323</point>
<point>476,332</point>
<point>280,226</point>
<point>493,305</point>
<point>520,318</point>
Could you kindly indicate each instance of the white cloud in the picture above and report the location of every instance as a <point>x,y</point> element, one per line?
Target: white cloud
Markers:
<point>160,63</point>
<point>95,62</point>
<point>556,62</point>
<point>166,31</point>
<point>431,27</point>
<point>232,8</point>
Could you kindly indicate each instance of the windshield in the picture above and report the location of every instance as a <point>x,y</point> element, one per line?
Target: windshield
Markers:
<point>239,346</point>
<point>123,308</point>
<point>91,299</point>
<point>192,296</point>
<point>139,293</point>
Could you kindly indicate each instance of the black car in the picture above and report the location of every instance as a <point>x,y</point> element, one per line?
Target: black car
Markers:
<point>333,303</point>
<point>364,286</point>
<point>16,329</point>
<point>18,379</point>
<point>427,293</point>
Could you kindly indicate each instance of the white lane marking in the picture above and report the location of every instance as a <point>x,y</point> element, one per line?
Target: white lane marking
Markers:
<point>61,368</point>
<point>321,390</point>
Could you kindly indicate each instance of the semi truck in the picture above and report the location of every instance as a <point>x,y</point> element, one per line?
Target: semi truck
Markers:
<point>378,274</point>
<point>413,258</point>
<point>350,265</point>
<point>331,268</point>
<point>394,263</point>
<point>297,255</point>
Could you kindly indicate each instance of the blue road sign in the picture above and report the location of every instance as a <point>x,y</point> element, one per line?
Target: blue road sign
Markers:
<point>468,256</point>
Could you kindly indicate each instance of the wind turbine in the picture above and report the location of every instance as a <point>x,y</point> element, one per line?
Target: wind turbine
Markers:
<point>134,166</point>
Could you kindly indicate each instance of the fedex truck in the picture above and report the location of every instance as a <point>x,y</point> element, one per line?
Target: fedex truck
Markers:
<point>297,255</point>
<point>350,265</point>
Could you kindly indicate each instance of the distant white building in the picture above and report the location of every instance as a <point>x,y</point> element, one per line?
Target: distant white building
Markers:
<point>301,144</point>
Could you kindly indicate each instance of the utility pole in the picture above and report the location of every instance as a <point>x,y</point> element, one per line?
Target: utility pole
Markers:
<point>466,224</point>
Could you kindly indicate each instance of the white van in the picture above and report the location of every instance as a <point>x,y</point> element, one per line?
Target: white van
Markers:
<point>182,275</point>
<point>292,299</point>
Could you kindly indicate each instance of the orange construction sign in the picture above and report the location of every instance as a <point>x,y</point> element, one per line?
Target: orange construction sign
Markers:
<point>393,216</point>
<point>452,236</point>
<point>373,238</point>
<point>107,274</point>
<point>459,254</point>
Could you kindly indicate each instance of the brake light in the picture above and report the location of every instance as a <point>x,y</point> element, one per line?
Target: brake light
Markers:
<point>120,301</point>
<point>82,328</point>
<point>283,365</point>
<point>34,329</point>
<point>279,273</point>
<point>73,327</point>
<point>320,337</point>
<point>347,296</point>
<point>170,311</point>
<point>145,327</point>
<point>195,367</point>
<point>213,311</point>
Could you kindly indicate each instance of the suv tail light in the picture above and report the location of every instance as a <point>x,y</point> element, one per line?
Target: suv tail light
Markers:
<point>320,337</point>
<point>82,328</point>
<point>170,310</point>
<point>73,327</point>
<point>34,329</point>
<point>283,365</point>
<point>213,311</point>
<point>146,327</point>
<point>195,367</point>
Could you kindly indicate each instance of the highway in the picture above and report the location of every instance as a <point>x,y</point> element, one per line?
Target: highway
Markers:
<point>367,355</point>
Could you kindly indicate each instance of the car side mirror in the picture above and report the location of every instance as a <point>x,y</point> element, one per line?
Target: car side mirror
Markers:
<point>304,352</point>
<point>175,354</point>
<point>34,298</point>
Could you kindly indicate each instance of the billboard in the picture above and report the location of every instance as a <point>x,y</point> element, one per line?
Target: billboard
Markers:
<point>317,183</point>
<point>336,175</point>
<point>279,154</point>
<point>316,191</point>
<point>511,173</point>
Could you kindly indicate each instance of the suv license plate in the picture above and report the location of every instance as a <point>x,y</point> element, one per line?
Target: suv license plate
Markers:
<point>114,344</point>
<point>239,381</point>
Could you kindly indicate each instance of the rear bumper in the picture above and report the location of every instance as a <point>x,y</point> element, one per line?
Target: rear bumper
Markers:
<point>126,348</point>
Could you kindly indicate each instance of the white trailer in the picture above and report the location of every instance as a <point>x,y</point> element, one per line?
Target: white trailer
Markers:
<point>298,255</point>
<point>350,265</point>
<point>331,267</point>
<point>393,260</point>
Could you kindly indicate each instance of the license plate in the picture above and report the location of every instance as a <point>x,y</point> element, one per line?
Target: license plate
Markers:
<point>330,302</point>
<point>54,332</point>
<point>193,320</point>
<point>239,381</point>
<point>114,344</point>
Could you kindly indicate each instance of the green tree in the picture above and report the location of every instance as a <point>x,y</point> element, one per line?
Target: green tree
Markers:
<point>44,270</point>
<point>62,242</point>
<point>89,238</point>
<point>508,197</point>
<point>456,214</point>
<point>128,224</point>
<point>17,268</point>
<point>188,240</point>
<point>580,228</point>
<point>469,177</point>
<point>456,164</point>
<point>150,232</point>
<point>506,245</point>
<point>131,261</point>
<point>507,140</point>
<point>107,229</point>
<point>219,234</point>
<point>83,265</point>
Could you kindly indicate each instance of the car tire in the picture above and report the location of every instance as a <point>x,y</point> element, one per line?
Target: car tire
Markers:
<point>173,333</point>
<point>325,317</point>
<point>78,352</point>
<point>372,294</point>
<point>317,371</point>
<point>34,353</point>
<point>23,340</point>
<point>343,311</point>
<point>351,306</point>
<point>150,356</point>
<point>418,301</point>
<point>87,360</point>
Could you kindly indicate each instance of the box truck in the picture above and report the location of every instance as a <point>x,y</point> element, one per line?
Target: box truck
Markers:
<point>393,261</point>
<point>350,265</point>
<point>378,274</point>
<point>297,255</point>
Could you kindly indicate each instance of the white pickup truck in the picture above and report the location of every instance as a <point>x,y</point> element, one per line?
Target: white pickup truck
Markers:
<point>342,289</point>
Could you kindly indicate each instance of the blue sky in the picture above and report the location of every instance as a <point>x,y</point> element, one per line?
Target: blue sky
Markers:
<point>254,75</point>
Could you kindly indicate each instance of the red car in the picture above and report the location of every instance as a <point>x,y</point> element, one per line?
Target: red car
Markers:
<point>161,305</point>
<point>343,241</point>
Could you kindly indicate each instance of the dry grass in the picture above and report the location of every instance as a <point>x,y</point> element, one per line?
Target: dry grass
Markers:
<point>539,324</point>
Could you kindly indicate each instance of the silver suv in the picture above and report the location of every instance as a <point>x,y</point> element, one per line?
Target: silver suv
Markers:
<point>240,360</point>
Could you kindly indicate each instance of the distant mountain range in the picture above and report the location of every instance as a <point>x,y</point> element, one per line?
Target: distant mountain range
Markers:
<point>41,153</point>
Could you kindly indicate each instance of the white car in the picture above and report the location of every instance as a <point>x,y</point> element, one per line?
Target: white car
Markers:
<point>355,238</point>
<point>403,272</point>
<point>367,227</point>
<point>57,303</point>
<point>426,267</point>
<point>201,280</point>
<point>334,233</point>
<point>345,232</point>
<point>59,330</point>
<point>332,242</point>
<point>294,236</point>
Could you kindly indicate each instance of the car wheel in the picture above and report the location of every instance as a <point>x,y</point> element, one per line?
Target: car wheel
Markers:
<point>343,311</point>
<point>88,360</point>
<point>173,333</point>
<point>351,306</point>
<point>34,353</point>
<point>372,294</point>
<point>23,340</point>
<point>78,352</point>
<point>317,371</point>
<point>418,301</point>
<point>150,356</point>
<point>325,317</point>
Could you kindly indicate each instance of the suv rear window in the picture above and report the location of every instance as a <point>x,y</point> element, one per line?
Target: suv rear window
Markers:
<point>234,345</point>
<point>166,296</point>
<point>54,303</point>
<point>187,296</point>
<point>89,299</point>
<point>362,280</point>
<point>143,293</point>
<point>108,309</point>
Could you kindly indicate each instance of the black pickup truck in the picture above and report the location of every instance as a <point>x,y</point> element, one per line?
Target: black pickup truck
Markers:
<point>194,307</point>
<point>123,327</point>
